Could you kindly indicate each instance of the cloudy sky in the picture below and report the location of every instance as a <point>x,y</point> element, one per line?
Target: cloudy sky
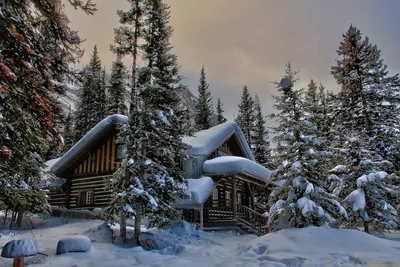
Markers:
<point>249,41</point>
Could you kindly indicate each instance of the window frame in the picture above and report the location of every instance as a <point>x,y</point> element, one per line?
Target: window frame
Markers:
<point>83,197</point>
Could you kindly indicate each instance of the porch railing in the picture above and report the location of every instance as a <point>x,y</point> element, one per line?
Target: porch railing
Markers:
<point>252,218</point>
<point>218,210</point>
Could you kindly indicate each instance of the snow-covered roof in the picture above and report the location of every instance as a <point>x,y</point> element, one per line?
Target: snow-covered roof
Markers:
<point>200,189</point>
<point>232,164</point>
<point>206,141</point>
<point>202,143</point>
<point>50,164</point>
<point>87,140</point>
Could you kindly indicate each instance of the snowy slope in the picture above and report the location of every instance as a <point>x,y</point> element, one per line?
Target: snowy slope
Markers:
<point>310,246</point>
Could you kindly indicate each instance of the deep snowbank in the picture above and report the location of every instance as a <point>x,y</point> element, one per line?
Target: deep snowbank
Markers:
<point>318,246</point>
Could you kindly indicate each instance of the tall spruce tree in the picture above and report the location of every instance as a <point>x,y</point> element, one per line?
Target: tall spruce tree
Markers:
<point>91,105</point>
<point>150,177</point>
<point>301,199</point>
<point>127,38</point>
<point>246,117</point>
<point>68,131</point>
<point>204,106</point>
<point>261,144</point>
<point>368,112</point>
<point>117,91</point>
<point>36,46</point>
<point>220,112</point>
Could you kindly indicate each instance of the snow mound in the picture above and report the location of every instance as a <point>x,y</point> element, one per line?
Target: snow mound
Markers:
<point>99,234</point>
<point>74,244</point>
<point>317,246</point>
<point>20,248</point>
<point>172,241</point>
<point>183,228</point>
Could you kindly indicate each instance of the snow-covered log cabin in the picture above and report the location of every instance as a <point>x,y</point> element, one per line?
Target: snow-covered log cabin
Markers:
<point>223,177</point>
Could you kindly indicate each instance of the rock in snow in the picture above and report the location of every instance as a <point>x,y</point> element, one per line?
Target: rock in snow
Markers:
<point>73,244</point>
<point>20,248</point>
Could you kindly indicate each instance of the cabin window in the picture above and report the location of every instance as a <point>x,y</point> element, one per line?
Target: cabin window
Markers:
<point>121,151</point>
<point>215,197</point>
<point>239,199</point>
<point>85,197</point>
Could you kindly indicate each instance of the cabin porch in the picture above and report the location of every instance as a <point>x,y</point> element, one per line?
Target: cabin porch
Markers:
<point>238,199</point>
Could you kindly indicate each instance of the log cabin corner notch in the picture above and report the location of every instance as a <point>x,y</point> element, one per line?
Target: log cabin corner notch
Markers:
<point>224,179</point>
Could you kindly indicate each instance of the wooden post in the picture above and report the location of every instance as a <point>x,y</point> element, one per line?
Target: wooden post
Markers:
<point>201,217</point>
<point>234,197</point>
<point>18,262</point>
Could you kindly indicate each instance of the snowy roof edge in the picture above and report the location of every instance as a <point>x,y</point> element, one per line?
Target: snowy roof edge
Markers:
<point>87,140</point>
<point>203,142</point>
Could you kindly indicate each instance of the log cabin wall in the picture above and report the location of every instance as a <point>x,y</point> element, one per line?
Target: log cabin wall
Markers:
<point>87,177</point>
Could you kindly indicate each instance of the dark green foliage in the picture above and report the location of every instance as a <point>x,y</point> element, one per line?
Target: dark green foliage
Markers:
<point>246,117</point>
<point>92,105</point>
<point>261,144</point>
<point>117,92</point>
<point>220,112</point>
<point>204,105</point>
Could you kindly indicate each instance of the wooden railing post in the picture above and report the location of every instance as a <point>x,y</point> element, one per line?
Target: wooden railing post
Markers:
<point>234,198</point>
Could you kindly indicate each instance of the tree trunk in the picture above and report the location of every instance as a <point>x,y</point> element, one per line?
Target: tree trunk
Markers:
<point>366,227</point>
<point>20,217</point>
<point>135,52</point>
<point>138,222</point>
<point>12,218</point>
<point>5,220</point>
<point>122,228</point>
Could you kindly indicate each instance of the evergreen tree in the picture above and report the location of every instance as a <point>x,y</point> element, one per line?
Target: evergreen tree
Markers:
<point>150,177</point>
<point>127,37</point>
<point>261,145</point>
<point>36,46</point>
<point>68,133</point>
<point>204,105</point>
<point>301,199</point>
<point>91,106</point>
<point>368,122</point>
<point>246,117</point>
<point>220,112</point>
<point>117,91</point>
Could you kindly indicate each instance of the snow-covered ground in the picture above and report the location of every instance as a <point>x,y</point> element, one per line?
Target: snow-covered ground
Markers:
<point>310,246</point>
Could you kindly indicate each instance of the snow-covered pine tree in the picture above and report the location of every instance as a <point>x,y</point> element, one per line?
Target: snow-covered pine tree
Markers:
<point>127,37</point>
<point>91,106</point>
<point>261,144</point>
<point>204,104</point>
<point>150,177</point>
<point>246,116</point>
<point>36,47</point>
<point>220,112</point>
<point>68,131</point>
<point>301,198</point>
<point>367,112</point>
<point>117,91</point>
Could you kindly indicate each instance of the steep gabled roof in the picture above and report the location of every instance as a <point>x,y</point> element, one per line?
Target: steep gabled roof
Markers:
<point>86,141</point>
<point>206,141</point>
<point>202,143</point>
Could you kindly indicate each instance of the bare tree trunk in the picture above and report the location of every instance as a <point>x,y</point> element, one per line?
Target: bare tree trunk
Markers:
<point>12,218</point>
<point>122,228</point>
<point>20,217</point>
<point>5,220</point>
<point>366,227</point>
<point>138,222</point>
<point>135,52</point>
